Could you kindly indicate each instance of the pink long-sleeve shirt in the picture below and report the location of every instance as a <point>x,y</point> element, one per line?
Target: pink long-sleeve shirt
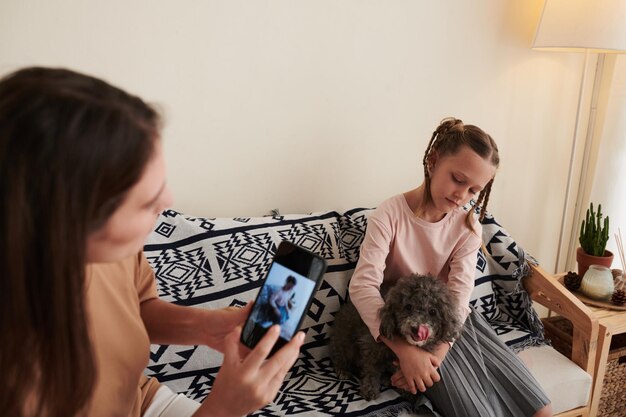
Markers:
<point>397,244</point>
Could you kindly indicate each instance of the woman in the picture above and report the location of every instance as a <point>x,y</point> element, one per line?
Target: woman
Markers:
<point>82,181</point>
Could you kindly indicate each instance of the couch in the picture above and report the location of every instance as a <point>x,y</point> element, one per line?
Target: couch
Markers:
<point>214,263</point>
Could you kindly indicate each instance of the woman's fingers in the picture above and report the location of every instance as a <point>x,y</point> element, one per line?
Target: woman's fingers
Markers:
<point>231,346</point>
<point>262,350</point>
<point>244,311</point>
<point>283,360</point>
<point>271,373</point>
<point>243,385</point>
<point>279,364</point>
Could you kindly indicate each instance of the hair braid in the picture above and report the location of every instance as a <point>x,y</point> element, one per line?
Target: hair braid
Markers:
<point>437,140</point>
<point>427,195</point>
<point>484,200</point>
<point>427,153</point>
<point>437,137</point>
<point>483,209</point>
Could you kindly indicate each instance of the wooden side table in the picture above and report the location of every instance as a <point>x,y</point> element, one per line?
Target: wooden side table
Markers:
<point>611,322</point>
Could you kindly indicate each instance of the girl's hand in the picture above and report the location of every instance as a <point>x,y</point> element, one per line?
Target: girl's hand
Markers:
<point>418,370</point>
<point>246,383</point>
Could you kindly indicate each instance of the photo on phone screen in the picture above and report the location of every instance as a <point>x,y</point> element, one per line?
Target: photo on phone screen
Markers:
<point>285,295</point>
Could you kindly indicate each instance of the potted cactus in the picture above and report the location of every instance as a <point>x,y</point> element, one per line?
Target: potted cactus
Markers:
<point>594,234</point>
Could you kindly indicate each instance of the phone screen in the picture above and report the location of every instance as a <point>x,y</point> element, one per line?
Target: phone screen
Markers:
<point>285,296</point>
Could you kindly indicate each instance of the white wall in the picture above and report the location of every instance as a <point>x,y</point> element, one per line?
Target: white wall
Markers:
<point>315,105</point>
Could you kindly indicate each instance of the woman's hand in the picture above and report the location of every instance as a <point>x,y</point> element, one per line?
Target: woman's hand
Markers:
<point>246,383</point>
<point>218,324</point>
<point>169,323</point>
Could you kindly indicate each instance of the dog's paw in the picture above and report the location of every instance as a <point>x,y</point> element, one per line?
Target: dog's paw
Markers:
<point>342,374</point>
<point>369,392</point>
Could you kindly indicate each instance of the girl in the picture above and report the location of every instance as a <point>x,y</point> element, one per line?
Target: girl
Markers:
<point>82,181</point>
<point>426,231</point>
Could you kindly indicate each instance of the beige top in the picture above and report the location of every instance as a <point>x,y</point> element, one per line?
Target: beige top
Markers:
<point>397,244</point>
<point>120,340</point>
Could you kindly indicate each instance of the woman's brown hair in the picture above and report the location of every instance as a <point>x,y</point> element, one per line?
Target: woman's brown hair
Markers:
<point>71,146</point>
<point>447,139</point>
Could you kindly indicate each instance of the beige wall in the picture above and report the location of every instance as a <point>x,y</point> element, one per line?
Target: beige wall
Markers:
<point>315,105</point>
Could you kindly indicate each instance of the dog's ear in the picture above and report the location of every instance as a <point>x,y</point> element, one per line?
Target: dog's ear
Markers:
<point>452,325</point>
<point>387,321</point>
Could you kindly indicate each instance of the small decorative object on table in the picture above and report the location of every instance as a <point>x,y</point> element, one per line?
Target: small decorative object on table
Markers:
<point>597,283</point>
<point>619,296</point>
<point>572,281</point>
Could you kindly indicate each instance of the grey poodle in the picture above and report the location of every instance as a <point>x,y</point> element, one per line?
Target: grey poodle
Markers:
<point>419,308</point>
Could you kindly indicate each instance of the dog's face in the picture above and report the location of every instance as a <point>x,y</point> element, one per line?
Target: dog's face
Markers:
<point>420,309</point>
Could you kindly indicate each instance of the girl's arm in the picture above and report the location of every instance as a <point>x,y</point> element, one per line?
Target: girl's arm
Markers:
<point>369,273</point>
<point>463,270</point>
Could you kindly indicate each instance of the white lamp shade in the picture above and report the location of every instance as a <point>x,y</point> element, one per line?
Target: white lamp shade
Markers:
<point>597,25</point>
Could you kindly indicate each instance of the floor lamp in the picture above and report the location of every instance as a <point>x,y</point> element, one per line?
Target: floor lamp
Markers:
<point>592,27</point>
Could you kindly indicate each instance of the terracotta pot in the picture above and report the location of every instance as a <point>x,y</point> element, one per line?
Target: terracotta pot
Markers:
<point>584,260</point>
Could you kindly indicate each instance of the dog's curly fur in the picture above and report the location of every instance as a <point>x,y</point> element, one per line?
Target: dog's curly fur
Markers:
<point>414,301</point>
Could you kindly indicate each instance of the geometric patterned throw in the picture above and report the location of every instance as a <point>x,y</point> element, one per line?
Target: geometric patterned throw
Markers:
<point>214,263</point>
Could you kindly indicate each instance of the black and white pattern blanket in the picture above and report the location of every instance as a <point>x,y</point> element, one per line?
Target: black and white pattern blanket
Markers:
<point>214,263</point>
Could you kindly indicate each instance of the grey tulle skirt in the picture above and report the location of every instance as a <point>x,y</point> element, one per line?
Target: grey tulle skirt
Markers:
<point>482,377</point>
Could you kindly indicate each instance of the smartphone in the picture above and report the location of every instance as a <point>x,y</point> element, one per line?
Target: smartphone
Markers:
<point>285,295</point>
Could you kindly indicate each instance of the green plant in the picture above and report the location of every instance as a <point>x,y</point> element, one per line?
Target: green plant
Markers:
<point>594,233</point>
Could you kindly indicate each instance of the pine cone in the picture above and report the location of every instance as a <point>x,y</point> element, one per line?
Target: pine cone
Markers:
<point>617,273</point>
<point>619,297</point>
<point>572,281</point>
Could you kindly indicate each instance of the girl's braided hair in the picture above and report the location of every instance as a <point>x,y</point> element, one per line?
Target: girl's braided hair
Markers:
<point>447,139</point>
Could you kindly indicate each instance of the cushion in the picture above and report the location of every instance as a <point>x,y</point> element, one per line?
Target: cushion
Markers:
<point>498,293</point>
<point>564,382</point>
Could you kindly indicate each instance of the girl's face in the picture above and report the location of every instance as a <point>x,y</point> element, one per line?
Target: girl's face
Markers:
<point>126,230</point>
<point>456,179</point>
